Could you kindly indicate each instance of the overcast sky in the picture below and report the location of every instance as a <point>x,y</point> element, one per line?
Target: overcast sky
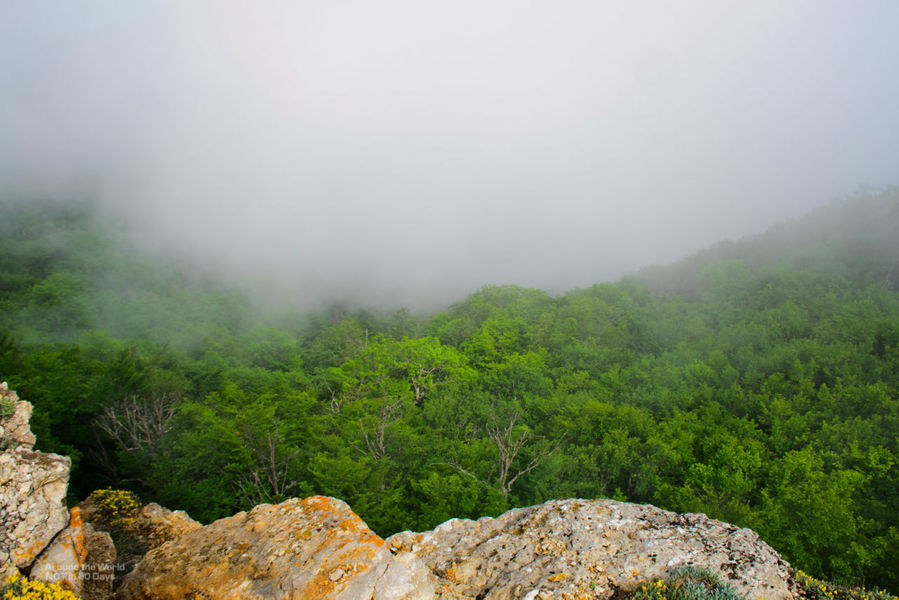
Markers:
<point>407,151</point>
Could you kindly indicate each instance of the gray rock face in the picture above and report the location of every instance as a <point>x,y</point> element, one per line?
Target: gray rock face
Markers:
<point>569,549</point>
<point>63,559</point>
<point>15,431</point>
<point>80,558</point>
<point>32,490</point>
<point>308,549</point>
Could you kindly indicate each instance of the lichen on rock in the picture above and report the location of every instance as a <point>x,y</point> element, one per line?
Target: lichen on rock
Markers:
<point>315,548</point>
<point>591,548</point>
<point>33,488</point>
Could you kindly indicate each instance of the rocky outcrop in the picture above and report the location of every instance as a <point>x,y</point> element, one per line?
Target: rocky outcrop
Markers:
<point>318,548</point>
<point>565,550</point>
<point>15,429</point>
<point>569,549</point>
<point>63,559</point>
<point>308,549</point>
<point>149,526</point>
<point>32,488</point>
<point>156,525</point>
<point>81,558</point>
<point>40,537</point>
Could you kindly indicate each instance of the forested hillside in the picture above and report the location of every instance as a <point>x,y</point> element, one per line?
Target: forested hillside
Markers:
<point>757,382</point>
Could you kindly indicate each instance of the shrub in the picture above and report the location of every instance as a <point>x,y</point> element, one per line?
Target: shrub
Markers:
<point>116,507</point>
<point>687,583</point>
<point>7,407</point>
<point>22,588</point>
<point>816,589</point>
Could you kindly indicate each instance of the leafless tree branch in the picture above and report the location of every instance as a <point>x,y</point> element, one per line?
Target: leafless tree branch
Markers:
<point>138,423</point>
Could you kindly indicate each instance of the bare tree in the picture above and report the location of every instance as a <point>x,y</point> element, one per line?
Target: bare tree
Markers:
<point>509,445</point>
<point>335,402</point>
<point>138,423</point>
<point>270,479</point>
<point>376,440</point>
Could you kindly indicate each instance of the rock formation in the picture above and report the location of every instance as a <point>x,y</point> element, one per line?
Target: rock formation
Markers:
<point>32,488</point>
<point>318,548</point>
<point>81,558</point>
<point>150,526</point>
<point>156,525</point>
<point>38,535</point>
<point>308,549</point>
<point>569,549</point>
<point>565,549</point>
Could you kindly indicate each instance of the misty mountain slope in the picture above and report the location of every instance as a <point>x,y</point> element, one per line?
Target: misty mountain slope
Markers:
<point>764,393</point>
<point>855,238</point>
<point>63,271</point>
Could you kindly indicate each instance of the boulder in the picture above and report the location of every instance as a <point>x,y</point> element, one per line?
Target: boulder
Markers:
<point>308,549</point>
<point>62,561</point>
<point>80,558</point>
<point>591,549</point>
<point>32,489</point>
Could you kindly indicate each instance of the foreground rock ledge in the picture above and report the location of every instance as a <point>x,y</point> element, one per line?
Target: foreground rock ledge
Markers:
<point>567,549</point>
<point>32,490</point>
<point>573,549</point>
<point>299,549</point>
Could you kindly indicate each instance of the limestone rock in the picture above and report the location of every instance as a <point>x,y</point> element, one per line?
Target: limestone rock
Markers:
<point>157,525</point>
<point>152,526</point>
<point>590,549</point>
<point>64,558</point>
<point>315,548</point>
<point>32,503</point>
<point>15,430</point>
<point>80,558</point>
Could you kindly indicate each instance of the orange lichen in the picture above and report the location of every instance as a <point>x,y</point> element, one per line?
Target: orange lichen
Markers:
<point>353,560</point>
<point>77,534</point>
<point>27,554</point>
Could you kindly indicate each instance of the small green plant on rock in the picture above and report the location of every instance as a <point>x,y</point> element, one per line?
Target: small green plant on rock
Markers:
<point>816,589</point>
<point>7,407</point>
<point>687,583</point>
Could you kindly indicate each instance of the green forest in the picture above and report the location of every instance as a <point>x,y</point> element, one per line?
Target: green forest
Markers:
<point>756,381</point>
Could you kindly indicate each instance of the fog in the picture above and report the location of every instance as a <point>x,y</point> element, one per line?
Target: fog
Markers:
<point>405,152</point>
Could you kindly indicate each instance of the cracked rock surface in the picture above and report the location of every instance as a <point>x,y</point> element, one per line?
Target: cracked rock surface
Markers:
<point>573,549</point>
<point>32,490</point>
